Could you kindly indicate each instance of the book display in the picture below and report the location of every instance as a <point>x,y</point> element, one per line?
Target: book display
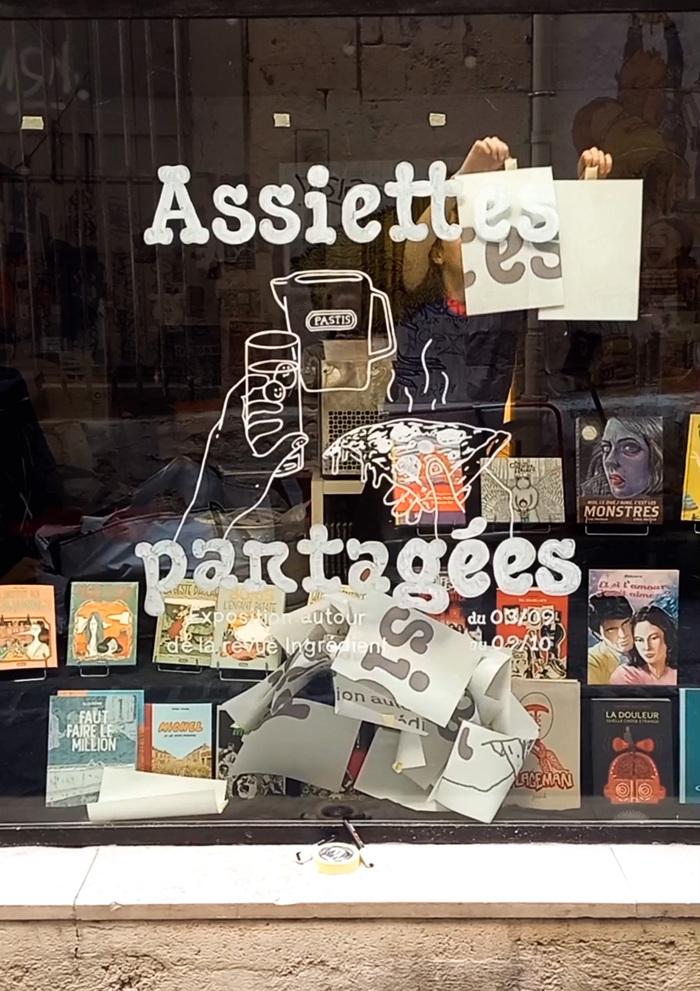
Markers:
<point>352,473</point>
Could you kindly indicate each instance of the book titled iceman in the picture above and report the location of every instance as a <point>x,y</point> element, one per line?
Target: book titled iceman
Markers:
<point>87,733</point>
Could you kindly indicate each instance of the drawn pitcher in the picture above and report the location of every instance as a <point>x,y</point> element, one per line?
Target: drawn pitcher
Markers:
<point>323,305</point>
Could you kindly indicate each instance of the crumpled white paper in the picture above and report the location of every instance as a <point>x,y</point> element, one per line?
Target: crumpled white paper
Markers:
<point>451,736</point>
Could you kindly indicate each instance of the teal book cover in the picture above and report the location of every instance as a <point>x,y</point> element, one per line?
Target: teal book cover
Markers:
<point>690,745</point>
<point>87,732</point>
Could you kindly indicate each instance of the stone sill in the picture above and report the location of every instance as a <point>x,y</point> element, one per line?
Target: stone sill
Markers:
<point>523,881</point>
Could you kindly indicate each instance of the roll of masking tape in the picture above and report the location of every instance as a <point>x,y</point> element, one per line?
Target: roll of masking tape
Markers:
<point>336,858</point>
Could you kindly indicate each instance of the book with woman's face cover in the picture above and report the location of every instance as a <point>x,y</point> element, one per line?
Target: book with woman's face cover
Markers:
<point>27,627</point>
<point>620,470</point>
<point>103,623</point>
<point>633,625</point>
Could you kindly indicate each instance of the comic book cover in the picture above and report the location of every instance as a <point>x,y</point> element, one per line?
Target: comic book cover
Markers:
<point>241,632</point>
<point>178,739</point>
<point>632,627</point>
<point>229,740</point>
<point>690,507</point>
<point>426,482</point>
<point>86,733</point>
<point>522,490</point>
<point>551,775</point>
<point>534,627</point>
<point>461,614</point>
<point>632,747</point>
<point>140,702</point>
<point>27,627</point>
<point>103,623</point>
<point>620,470</point>
<point>185,631</point>
<point>690,745</point>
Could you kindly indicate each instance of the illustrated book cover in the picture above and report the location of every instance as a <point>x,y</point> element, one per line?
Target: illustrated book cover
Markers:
<point>426,483</point>
<point>632,750</point>
<point>178,739</point>
<point>690,745</point>
<point>140,702</point>
<point>86,733</point>
<point>633,627</point>
<point>550,777</point>
<point>241,629</point>
<point>690,507</point>
<point>185,631</point>
<point>522,490</point>
<point>534,627</point>
<point>620,470</point>
<point>103,623</point>
<point>27,627</point>
<point>229,740</point>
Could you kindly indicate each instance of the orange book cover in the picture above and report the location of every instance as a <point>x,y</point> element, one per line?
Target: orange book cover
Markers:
<point>534,627</point>
<point>426,484</point>
<point>27,627</point>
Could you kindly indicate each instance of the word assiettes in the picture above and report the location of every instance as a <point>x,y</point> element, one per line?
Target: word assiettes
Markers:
<point>538,223</point>
<point>418,564</point>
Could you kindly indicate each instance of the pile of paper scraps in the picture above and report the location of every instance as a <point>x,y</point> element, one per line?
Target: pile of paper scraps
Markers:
<point>452,736</point>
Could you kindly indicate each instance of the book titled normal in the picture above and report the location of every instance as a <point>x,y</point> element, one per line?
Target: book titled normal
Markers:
<point>632,741</point>
<point>87,732</point>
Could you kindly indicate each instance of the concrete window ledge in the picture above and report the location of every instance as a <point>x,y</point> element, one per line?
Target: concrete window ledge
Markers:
<point>499,881</point>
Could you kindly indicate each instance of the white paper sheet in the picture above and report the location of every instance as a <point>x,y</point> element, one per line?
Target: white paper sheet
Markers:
<point>409,655</point>
<point>358,700</point>
<point>305,741</point>
<point>601,232</point>
<point>489,686</point>
<point>248,708</point>
<point>127,794</point>
<point>517,273</point>
<point>437,747</point>
<point>482,768</point>
<point>409,753</point>
<point>378,779</point>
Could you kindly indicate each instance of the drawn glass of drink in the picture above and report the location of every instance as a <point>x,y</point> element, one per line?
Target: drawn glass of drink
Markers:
<point>272,415</point>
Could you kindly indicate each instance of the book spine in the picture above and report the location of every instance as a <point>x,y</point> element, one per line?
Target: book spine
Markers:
<point>145,755</point>
<point>683,794</point>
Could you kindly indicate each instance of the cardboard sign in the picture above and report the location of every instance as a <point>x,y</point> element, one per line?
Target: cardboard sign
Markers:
<point>601,240</point>
<point>510,240</point>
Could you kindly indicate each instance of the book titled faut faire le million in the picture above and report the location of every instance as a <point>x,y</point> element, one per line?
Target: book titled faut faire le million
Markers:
<point>86,733</point>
